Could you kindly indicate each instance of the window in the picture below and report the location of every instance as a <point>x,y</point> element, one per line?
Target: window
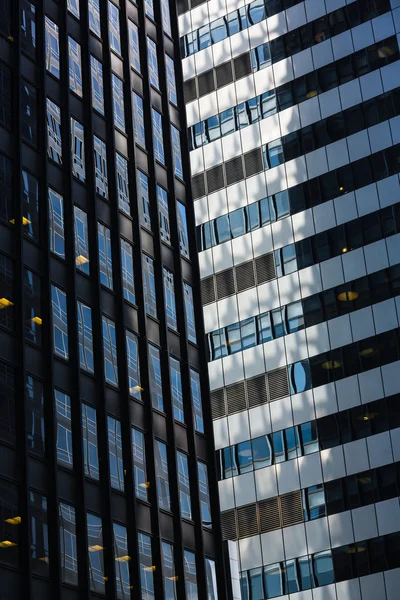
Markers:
<point>143,199</point>
<point>5,18</point>
<point>121,561</point>
<point>28,28</point>
<point>35,434</point>
<point>122,184</point>
<point>96,70</point>
<point>5,96</point>
<point>118,102</point>
<point>161,460</point>
<point>182,230</point>
<point>94,16</point>
<point>75,67</point>
<point>196,401</point>
<point>89,440</point>
<point>64,431</point>
<point>56,223</point>
<point>29,113</point>
<point>158,136</point>
<point>6,292</point>
<point>169,293</point>
<point>105,257</point>
<point>146,566</point>
<point>85,337</point>
<point>54,144</point>
<point>190,575</point>
<point>110,351</point>
<point>163,215</point>
<point>184,485</point>
<point>204,495</point>
<point>78,150</point>
<point>113,27</point>
<point>6,188</point>
<point>30,205</point>
<point>176,389</point>
<point>189,312</point>
<point>115,454</point>
<point>7,403</point>
<point>139,464</point>
<point>171,81</point>
<point>176,152</point>
<point>211,580</point>
<point>134,53</point>
<point>52,48</point>
<point>155,378</point>
<point>149,286</point>
<point>73,7</point>
<point>148,7</point>
<point>166,17</point>
<point>152,63</point>
<point>138,120</point>
<point>96,554</point>
<point>9,511</point>
<point>39,533</point>
<point>32,307</point>
<point>68,548</point>
<point>100,166</point>
<point>81,241</point>
<point>132,355</point>
<point>169,576</point>
<point>127,271</point>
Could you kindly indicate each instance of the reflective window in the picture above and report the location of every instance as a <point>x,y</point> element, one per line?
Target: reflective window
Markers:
<point>78,150</point>
<point>28,113</point>
<point>5,18</point>
<point>105,257</point>
<point>168,564</point>
<point>182,230</point>
<point>6,292</point>
<point>184,485</point>
<point>148,7</point>
<point>64,429</point>
<point>68,547</point>
<point>127,271</point>
<point>89,440</point>
<point>30,205</point>
<point>110,351</point>
<point>134,53</point>
<point>96,70</point>
<point>189,312</point>
<point>96,553</point>
<point>121,562</point>
<point>169,296</point>
<point>139,464</point>
<point>81,241</point>
<point>176,152</point>
<point>190,575</point>
<point>73,7</point>
<point>39,533</point>
<point>211,580</point>
<point>75,67</point>
<point>54,144</point>
<point>143,199</point>
<point>56,223</point>
<point>176,389</point>
<point>6,203</point>
<point>146,566</point>
<point>52,48</point>
<point>122,183</point>
<point>163,214</point>
<point>152,63</point>
<point>94,16</point>
<point>115,454</point>
<point>166,17</point>
<point>204,495</point>
<point>28,28</point>
<point>5,96</point>
<point>35,434</point>
<point>10,521</point>
<point>158,142</point>
<point>7,403</point>
<point>85,337</point>
<point>161,460</point>
<point>100,166</point>
<point>118,102</point>
<point>149,286</point>
<point>171,81</point>
<point>32,307</point>
<point>155,378</point>
<point>138,120</point>
<point>113,27</point>
<point>196,401</point>
<point>132,354</point>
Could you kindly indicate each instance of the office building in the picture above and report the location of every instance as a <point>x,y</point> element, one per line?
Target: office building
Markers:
<point>294,130</point>
<point>108,482</point>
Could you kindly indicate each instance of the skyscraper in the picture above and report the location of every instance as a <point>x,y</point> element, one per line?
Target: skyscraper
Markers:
<point>293,114</point>
<point>107,470</point>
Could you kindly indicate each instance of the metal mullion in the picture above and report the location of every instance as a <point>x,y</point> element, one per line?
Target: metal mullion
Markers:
<point>73,342</point>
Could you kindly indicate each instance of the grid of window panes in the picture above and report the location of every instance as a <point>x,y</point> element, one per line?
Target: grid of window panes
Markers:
<point>95,223</point>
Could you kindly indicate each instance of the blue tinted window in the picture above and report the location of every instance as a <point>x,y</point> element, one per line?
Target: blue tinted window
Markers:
<point>113,27</point>
<point>161,461</point>
<point>152,63</point>
<point>176,389</point>
<point>118,102</point>
<point>105,257</point>
<point>60,322</point>
<point>132,355</point>
<point>115,454</point>
<point>94,16</point>
<point>127,271</point>
<point>204,495</point>
<point>139,464</point>
<point>171,82</point>
<point>85,337</point>
<point>155,378</point>
<point>158,141</point>
<point>52,48</point>
<point>89,440</point>
<point>64,429</point>
<point>134,46</point>
<point>32,307</point>
<point>189,313</point>
<point>75,67</point>
<point>122,184</point>
<point>100,166</point>
<point>110,351</point>
<point>81,241</point>
<point>196,401</point>
<point>138,120</point>
<point>121,561</point>
<point>149,286</point>
<point>169,297</point>
<point>96,69</point>
<point>184,485</point>
<point>176,152</point>
<point>143,199</point>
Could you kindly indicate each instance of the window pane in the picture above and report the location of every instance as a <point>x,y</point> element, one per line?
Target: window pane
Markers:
<point>100,166</point>
<point>196,401</point>
<point>134,46</point>
<point>29,113</point>
<point>122,184</point>
<point>78,150</point>
<point>54,144</point>
<point>89,440</point>
<point>182,230</point>
<point>127,271</point>
<point>94,16</point>
<point>138,120</point>
<point>143,199</point>
<point>161,461</point>
<point>146,566</point>
<point>81,241</point>
<point>105,258</point>
<point>6,292</point>
<point>28,28</point>
<point>75,67</point>
<point>149,288</point>
<point>96,554</point>
<point>39,533</point>
<point>56,223</point>
<point>73,7</point>
<point>30,205</point>
<point>115,454</point>
<point>176,152</point>
<point>6,187</point>
<point>64,431</point>
<point>52,48</point>
<point>118,102</point>
<point>184,485</point>
<point>155,378</point>
<point>157,136</point>
<point>204,495</point>
<point>121,562</point>
<point>32,307</point>
<point>211,580</point>
<point>169,571</point>
<point>5,96</point>
<point>110,351</point>
<point>148,6</point>
<point>152,63</point>
<point>113,27</point>
<point>169,293</point>
<point>8,530</point>
<point>7,403</point>
<point>96,70</point>
<point>139,464</point>
<point>176,389</point>
<point>189,313</point>
<point>85,337</point>
<point>34,398</point>
<point>163,215</point>
<point>166,18</point>
<point>190,575</point>
<point>171,81</point>
<point>132,354</point>
<point>68,549</point>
